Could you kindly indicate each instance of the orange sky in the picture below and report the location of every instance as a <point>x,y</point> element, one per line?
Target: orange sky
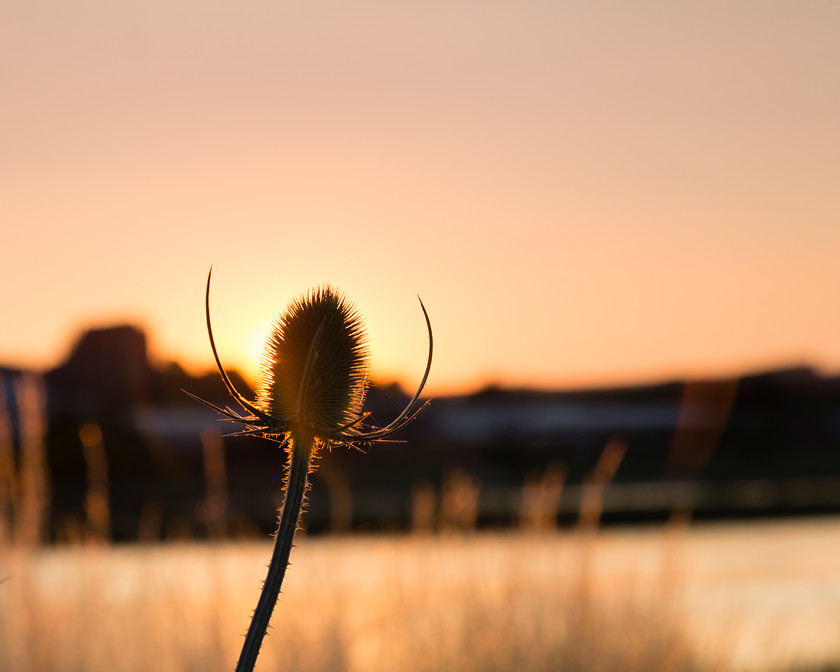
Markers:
<point>582,193</point>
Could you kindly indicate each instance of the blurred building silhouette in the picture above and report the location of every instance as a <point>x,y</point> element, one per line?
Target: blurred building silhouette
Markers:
<point>763,444</point>
<point>107,372</point>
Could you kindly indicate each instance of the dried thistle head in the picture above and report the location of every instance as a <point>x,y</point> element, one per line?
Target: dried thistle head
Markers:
<point>314,375</point>
<point>314,363</point>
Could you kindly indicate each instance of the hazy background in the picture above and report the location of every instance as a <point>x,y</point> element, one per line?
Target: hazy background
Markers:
<point>582,193</point>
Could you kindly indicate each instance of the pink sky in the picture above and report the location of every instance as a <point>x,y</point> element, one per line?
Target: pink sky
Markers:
<point>582,193</point>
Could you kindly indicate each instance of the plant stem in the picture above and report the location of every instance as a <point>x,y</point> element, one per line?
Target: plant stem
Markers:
<point>300,459</point>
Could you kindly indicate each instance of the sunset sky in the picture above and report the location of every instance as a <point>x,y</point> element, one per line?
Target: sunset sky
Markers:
<point>581,193</point>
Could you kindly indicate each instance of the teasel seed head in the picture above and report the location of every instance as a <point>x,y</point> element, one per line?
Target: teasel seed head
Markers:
<point>314,366</point>
<point>314,376</point>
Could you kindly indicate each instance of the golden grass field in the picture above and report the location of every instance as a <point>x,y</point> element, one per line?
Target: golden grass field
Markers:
<point>757,596</point>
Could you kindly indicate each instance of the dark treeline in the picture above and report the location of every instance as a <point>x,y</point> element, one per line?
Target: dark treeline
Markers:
<point>113,424</point>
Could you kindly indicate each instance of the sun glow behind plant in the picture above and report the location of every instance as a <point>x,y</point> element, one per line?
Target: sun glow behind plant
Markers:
<point>582,193</point>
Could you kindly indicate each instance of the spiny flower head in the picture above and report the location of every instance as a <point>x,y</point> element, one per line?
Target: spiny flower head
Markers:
<point>314,375</point>
<point>314,369</point>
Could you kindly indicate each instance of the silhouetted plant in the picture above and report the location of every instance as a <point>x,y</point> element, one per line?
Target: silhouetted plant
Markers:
<point>310,397</point>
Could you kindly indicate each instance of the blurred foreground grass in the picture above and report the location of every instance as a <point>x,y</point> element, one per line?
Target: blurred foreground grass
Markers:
<point>755,596</point>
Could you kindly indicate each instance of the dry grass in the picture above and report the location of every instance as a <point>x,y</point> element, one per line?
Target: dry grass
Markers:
<point>742,597</point>
<point>489,602</point>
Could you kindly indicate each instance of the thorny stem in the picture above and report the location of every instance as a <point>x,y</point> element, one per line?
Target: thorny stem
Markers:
<point>300,459</point>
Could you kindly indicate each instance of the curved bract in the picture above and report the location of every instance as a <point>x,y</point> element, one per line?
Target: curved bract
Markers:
<point>314,375</point>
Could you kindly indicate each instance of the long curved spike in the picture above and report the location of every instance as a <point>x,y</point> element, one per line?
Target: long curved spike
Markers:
<point>247,405</point>
<point>396,423</point>
<point>229,415</point>
<point>339,431</point>
<point>431,352</point>
<point>388,430</point>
